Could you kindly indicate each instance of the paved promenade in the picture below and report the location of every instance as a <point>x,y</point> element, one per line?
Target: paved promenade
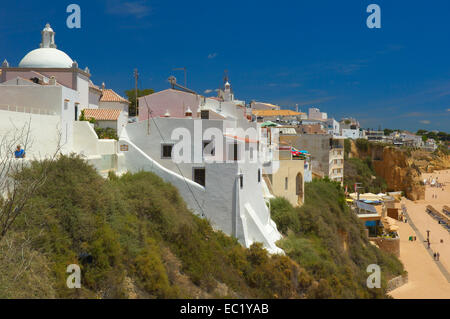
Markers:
<point>427,278</point>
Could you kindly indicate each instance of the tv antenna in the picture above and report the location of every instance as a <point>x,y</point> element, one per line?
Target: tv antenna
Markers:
<point>185,74</point>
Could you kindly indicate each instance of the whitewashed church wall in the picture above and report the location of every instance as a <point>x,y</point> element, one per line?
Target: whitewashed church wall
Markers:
<point>43,142</point>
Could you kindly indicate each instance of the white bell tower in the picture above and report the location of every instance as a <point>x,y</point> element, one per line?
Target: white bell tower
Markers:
<point>48,37</point>
<point>228,92</point>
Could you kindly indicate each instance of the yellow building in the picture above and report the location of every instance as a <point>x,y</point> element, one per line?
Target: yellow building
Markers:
<point>287,180</point>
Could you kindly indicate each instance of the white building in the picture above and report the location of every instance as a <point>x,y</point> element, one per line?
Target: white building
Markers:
<point>333,127</point>
<point>230,193</point>
<point>46,62</point>
<point>49,91</point>
<point>315,114</point>
<point>350,128</point>
<point>111,100</point>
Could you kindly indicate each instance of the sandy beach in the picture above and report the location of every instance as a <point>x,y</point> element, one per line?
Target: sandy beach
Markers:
<point>426,279</point>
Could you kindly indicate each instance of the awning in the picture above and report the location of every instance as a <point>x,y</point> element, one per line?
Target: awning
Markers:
<point>268,123</point>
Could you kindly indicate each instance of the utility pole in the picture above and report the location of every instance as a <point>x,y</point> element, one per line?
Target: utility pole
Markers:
<point>136,76</point>
<point>357,194</point>
<point>185,74</point>
<point>356,189</point>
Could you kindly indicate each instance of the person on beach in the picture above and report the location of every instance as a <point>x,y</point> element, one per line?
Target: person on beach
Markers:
<point>437,256</point>
<point>434,256</point>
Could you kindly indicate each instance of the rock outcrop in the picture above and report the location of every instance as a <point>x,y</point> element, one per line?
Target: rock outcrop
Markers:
<point>395,165</point>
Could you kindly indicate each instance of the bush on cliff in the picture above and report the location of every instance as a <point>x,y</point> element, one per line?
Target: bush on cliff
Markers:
<point>361,171</point>
<point>328,241</point>
<point>132,236</point>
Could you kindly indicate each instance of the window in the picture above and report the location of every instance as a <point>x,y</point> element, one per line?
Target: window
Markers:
<point>259,175</point>
<point>204,114</point>
<point>286,183</point>
<point>233,151</point>
<point>241,180</point>
<point>208,148</point>
<point>166,150</point>
<point>199,175</point>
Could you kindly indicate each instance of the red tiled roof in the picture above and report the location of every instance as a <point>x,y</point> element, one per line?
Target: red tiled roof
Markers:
<point>102,114</point>
<point>111,96</point>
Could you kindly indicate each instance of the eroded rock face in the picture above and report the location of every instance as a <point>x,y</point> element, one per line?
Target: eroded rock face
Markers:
<point>428,162</point>
<point>396,166</point>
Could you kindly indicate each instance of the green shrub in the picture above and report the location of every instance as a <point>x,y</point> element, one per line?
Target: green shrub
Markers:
<point>362,171</point>
<point>106,133</point>
<point>362,144</point>
<point>125,223</point>
<point>328,241</point>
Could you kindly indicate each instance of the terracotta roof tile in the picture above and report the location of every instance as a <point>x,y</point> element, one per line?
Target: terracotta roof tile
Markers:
<point>102,114</point>
<point>111,96</point>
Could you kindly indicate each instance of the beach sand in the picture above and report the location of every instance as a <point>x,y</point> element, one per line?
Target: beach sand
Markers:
<point>425,279</point>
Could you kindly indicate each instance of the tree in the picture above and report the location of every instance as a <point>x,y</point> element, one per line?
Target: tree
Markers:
<point>16,188</point>
<point>131,94</point>
<point>422,132</point>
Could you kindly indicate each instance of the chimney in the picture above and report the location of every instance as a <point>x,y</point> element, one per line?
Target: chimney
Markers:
<point>52,80</point>
<point>188,112</point>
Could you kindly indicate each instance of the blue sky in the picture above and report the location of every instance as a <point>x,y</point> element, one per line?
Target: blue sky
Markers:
<point>312,53</point>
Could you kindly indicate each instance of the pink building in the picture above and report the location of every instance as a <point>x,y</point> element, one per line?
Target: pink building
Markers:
<point>170,102</point>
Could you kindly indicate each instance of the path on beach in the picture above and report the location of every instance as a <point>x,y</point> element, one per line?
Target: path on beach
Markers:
<point>425,279</point>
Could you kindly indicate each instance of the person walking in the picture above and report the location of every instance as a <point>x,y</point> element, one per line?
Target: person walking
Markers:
<point>437,256</point>
<point>434,256</point>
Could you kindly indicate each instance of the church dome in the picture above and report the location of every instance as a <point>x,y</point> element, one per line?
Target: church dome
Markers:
<point>47,56</point>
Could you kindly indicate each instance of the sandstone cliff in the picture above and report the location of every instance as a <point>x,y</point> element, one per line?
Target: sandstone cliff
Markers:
<point>429,162</point>
<point>395,165</point>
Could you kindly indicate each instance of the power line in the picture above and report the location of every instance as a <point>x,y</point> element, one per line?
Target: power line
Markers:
<point>176,164</point>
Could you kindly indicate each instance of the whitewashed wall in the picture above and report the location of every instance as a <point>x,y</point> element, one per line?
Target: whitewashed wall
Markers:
<point>44,142</point>
<point>240,212</point>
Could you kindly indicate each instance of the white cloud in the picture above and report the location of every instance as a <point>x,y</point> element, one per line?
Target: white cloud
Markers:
<point>138,9</point>
<point>212,55</point>
<point>207,91</point>
<point>425,122</point>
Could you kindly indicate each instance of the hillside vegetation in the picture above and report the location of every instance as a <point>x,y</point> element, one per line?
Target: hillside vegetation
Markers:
<point>328,241</point>
<point>134,237</point>
<point>361,171</point>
